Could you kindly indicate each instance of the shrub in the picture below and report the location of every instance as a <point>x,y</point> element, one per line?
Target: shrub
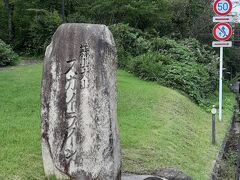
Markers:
<point>149,66</point>
<point>203,53</point>
<point>7,56</point>
<point>185,65</point>
<point>160,44</point>
<point>176,50</point>
<point>192,78</point>
<point>129,41</point>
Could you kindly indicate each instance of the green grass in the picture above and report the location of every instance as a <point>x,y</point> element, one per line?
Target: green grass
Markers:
<point>159,127</point>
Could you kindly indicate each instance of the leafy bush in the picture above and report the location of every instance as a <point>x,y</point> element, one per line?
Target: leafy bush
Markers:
<point>203,53</point>
<point>7,56</point>
<point>185,65</point>
<point>149,66</point>
<point>192,78</point>
<point>130,42</point>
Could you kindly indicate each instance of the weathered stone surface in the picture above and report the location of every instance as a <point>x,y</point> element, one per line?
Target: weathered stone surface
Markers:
<point>78,105</point>
<point>172,174</point>
<point>140,177</point>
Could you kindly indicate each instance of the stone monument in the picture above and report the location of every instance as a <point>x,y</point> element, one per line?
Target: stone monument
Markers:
<point>78,105</point>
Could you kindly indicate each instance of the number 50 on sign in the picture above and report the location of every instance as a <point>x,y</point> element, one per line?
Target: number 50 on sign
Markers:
<point>222,7</point>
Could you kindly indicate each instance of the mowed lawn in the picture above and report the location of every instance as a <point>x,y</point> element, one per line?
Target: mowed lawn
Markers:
<point>159,127</point>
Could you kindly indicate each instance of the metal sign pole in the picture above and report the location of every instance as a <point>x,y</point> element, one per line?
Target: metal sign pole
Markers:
<point>220,83</point>
<point>214,111</point>
<point>222,32</point>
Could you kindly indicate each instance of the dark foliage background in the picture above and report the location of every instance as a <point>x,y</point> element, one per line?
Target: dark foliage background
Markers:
<point>158,40</point>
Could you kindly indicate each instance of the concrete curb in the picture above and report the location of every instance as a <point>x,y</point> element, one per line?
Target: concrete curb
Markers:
<point>216,163</point>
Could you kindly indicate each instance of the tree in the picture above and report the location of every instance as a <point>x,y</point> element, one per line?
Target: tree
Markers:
<point>191,18</point>
<point>147,15</point>
<point>63,11</point>
<point>9,9</point>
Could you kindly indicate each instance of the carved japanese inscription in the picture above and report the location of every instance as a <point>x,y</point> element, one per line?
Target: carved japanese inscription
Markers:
<point>71,77</point>
<point>71,116</point>
<point>78,105</point>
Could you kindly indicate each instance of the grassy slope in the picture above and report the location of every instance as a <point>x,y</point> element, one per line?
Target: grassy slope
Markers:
<point>159,127</point>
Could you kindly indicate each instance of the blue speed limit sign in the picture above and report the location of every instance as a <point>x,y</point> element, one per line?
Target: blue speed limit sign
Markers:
<point>222,7</point>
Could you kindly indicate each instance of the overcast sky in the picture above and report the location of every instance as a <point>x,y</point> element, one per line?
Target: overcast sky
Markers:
<point>237,8</point>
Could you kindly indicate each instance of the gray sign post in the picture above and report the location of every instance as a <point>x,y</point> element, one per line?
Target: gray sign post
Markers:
<point>214,111</point>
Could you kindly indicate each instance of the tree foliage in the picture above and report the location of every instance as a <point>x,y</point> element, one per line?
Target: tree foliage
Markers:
<point>139,28</point>
<point>153,16</point>
<point>7,56</point>
<point>184,64</point>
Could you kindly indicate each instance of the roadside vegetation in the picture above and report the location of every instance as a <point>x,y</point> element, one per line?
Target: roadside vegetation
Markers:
<point>159,127</point>
<point>7,56</point>
<point>28,25</point>
<point>167,81</point>
<point>164,41</point>
<point>184,64</point>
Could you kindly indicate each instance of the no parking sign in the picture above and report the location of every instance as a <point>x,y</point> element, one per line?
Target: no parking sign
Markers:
<point>222,31</point>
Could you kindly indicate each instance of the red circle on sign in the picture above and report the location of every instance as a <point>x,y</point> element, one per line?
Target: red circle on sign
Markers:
<point>218,12</point>
<point>216,27</point>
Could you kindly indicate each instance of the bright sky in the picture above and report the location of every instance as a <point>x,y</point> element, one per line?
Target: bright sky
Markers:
<point>236,10</point>
<point>236,5</point>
